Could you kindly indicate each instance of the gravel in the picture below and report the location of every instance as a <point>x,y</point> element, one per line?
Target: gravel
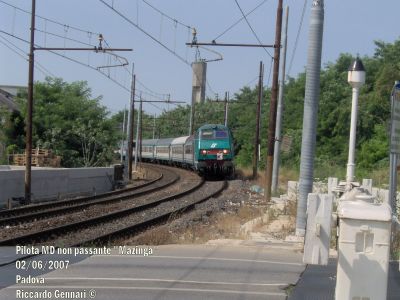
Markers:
<point>108,227</point>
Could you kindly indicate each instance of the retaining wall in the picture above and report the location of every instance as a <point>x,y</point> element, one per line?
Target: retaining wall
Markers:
<point>51,184</point>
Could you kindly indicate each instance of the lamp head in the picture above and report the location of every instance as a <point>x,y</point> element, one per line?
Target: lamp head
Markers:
<point>356,74</point>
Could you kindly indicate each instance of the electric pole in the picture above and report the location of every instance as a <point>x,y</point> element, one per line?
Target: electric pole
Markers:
<point>258,116</point>
<point>154,126</point>
<point>137,131</point>
<point>192,111</point>
<point>140,131</point>
<point>274,96</point>
<point>123,136</point>
<point>131,124</point>
<point>226,108</point>
<point>278,130</point>
<point>28,147</point>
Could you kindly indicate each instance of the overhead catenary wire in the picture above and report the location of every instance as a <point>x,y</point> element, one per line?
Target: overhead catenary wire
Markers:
<point>297,37</point>
<point>167,16</point>
<point>49,20</point>
<point>251,28</point>
<point>66,28</point>
<point>145,32</point>
<point>240,20</point>
<point>38,66</point>
<point>80,63</point>
<point>150,92</point>
<point>150,36</point>
<point>64,37</point>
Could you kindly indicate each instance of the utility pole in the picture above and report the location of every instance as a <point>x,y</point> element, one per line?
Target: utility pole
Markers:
<point>137,131</point>
<point>274,96</point>
<point>311,102</point>
<point>154,126</point>
<point>131,124</point>
<point>192,110</point>
<point>123,136</point>
<point>28,147</point>
<point>140,131</point>
<point>278,130</point>
<point>258,116</point>
<point>226,108</point>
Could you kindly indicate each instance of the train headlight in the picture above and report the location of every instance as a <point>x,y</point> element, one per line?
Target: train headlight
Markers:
<point>225,151</point>
<point>204,152</point>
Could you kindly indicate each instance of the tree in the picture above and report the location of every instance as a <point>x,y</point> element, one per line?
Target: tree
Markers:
<point>69,121</point>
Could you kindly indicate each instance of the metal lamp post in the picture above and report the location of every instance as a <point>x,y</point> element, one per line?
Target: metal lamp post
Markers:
<point>356,78</point>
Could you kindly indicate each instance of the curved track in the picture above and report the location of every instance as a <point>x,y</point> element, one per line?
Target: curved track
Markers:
<point>102,229</point>
<point>35,212</point>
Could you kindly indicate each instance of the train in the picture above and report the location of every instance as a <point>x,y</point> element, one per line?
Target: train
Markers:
<point>209,151</point>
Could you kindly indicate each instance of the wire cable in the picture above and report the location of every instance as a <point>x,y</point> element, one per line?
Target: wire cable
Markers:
<point>40,67</point>
<point>64,37</point>
<point>251,81</point>
<point>297,37</point>
<point>251,28</point>
<point>49,20</point>
<point>240,20</point>
<point>84,65</point>
<point>145,32</point>
<point>167,16</point>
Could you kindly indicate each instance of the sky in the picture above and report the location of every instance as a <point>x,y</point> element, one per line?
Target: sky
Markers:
<point>349,27</point>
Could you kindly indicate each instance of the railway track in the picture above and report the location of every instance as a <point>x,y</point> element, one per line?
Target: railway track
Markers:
<point>103,229</point>
<point>36,212</point>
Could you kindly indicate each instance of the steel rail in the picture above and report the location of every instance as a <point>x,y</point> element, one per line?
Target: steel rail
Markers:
<point>65,210</point>
<point>43,235</point>
<point>140,226</point>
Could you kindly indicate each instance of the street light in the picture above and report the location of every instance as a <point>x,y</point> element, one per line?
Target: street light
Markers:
<point>356,78</point>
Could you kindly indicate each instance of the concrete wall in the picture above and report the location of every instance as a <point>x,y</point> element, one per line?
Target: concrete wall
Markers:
<point>49,183</point>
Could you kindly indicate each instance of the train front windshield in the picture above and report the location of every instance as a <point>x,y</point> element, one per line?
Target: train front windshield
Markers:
<point>209,134</point>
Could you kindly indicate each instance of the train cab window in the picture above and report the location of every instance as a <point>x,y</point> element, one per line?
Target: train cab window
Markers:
<point>207,134</point>
<point>221,134</point>
<point>214,134</point>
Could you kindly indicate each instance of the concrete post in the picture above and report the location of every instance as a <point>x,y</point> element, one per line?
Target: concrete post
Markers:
<point>311,101</point>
